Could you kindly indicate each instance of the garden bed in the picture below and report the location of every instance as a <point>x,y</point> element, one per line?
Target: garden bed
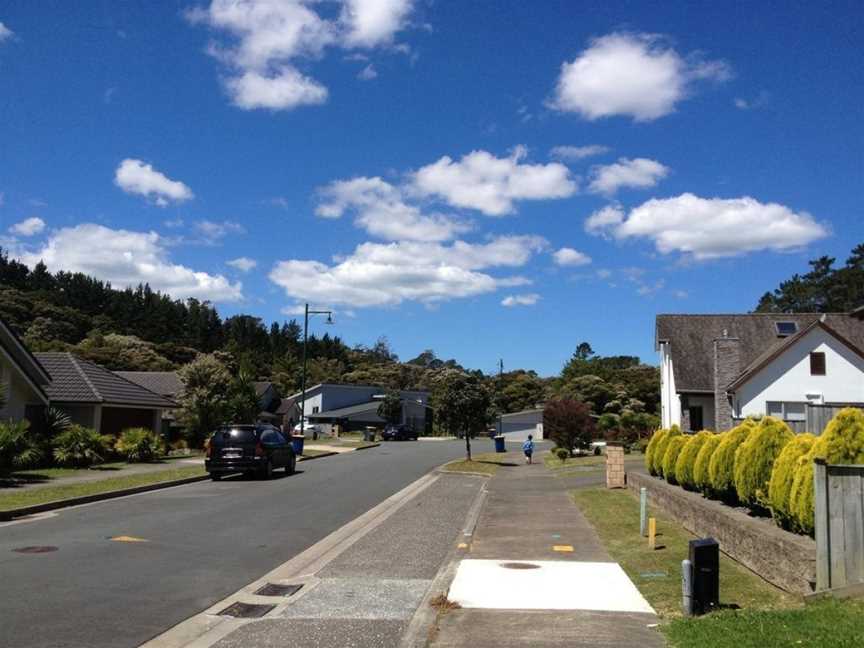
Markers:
<point>785,559</point>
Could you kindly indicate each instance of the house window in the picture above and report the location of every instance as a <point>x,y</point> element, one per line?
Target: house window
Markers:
<point>817,363</point>
<point>785,329</point>
<point>786,410</point>
<point>315,409</point>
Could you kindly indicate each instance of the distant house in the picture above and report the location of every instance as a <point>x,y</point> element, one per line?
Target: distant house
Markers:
<point>716,369</point>
<point>516,426</point>
<point>23,381</point>
<point>164,383</point>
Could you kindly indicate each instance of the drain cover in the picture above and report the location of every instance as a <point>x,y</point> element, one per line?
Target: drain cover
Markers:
<point>246,610</point>
<point>519,565</point>
<point>35,550</point>
<point>273,589</point>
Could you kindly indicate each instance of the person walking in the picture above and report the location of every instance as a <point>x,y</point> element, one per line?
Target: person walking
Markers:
<point>528,449</point>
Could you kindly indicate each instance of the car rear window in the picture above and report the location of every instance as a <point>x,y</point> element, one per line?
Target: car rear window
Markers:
<point>227,436</point>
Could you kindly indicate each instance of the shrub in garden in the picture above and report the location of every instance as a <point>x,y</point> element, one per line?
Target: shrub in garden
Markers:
<point>562,454</point>
<point>783,475</point>
<point>139,444</point>
<point>754,460</point>
<point>80,446</point>
<point>686,462</point>
<point>673,448</point>
<point>700,468</point>
<point>651,450</point>
<point>842,442</point>
<point>721,469</point>
<point>660,449</point>
<point>18,449</point>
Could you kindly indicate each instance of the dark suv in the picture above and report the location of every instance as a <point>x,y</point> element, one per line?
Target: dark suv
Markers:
<point>251,449</point>
<point>399,432</point>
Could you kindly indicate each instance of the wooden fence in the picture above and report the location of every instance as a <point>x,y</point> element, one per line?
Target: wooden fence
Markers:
<point>839,502</point>
<point>818,416</point>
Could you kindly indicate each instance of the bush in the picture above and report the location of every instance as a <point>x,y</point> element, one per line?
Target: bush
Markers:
<point>673,448</point>
<point>782,477</point>
<point>139,444</point>
<point>562,454</point>
<point>754,460</point>
<point>686,462</point>
<point>651,450</point>
<point>660,449</point>
<point>568,423</point>
<point>641,446</point>
<point>721,469</point>
<point>842,442</point>
<point>80,447</point>
<point>700,469</point>
<point>18,449</point>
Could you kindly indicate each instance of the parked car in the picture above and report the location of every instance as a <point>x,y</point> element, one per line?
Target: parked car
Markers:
<point>308,429</point>
<point>399,432</point>
<point>251,449</point>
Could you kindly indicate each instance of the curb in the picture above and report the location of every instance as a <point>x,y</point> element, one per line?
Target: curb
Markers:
<point>321,456</point>
<point>11,514</point>
<point>367,447</point>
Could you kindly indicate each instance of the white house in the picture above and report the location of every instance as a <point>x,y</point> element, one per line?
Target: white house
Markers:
<point>715,369</point>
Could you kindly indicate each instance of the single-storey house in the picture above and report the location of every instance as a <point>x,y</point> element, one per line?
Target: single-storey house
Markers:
<point>516,426</point>
<point>717,369</point>
<point>23,381</point>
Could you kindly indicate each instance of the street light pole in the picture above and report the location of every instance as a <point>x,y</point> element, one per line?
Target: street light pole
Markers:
<point>307,313</point>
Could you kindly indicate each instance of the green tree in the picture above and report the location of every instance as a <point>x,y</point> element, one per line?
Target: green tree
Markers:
<point>461,403</point>
<point>568,423</point>
<point>242,404</point>
<point>204,399</point>
<point>390,409</point>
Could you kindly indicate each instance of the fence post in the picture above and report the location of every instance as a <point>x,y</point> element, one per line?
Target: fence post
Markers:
<point>643,511</point>
<point>821,525</point>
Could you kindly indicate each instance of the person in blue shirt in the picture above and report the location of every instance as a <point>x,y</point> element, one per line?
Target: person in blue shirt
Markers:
<point>528,448</point>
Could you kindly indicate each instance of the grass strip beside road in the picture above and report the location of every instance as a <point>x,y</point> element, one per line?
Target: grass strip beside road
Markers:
<point>486,463</point>
<point>311,454</point>
<point>27,497</point>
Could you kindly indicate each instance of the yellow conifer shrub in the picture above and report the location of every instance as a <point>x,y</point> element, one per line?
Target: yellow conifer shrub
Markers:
<point>660,449</point>
<point>673,448</point>
<point>686,462</point>
<point>701,478</point>
<point>721,469</point>
<point>754,460</point>
<point>782,477</point>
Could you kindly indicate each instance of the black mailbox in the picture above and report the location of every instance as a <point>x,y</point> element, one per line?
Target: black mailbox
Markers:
<point>705,563</point>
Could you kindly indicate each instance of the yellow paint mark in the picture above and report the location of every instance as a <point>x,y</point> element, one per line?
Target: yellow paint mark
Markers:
<point>128,539</point>
<point>462,545</point>
<point>564,548</point>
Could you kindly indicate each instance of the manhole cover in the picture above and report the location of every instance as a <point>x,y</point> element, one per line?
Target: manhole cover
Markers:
<point>246,610</point>
<point>36,549</point>
<point>273,589</point>
<point>519,565</point>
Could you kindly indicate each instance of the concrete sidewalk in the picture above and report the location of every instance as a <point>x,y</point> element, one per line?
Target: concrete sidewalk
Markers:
<point>520,547</point>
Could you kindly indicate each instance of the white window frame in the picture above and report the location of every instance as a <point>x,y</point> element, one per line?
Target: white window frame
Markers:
<point>784,410</point>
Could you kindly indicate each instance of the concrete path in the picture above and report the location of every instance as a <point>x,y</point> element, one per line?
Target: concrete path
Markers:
<point>530,524</point>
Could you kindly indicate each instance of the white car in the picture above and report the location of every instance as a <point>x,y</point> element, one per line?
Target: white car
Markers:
<point>308,429</point>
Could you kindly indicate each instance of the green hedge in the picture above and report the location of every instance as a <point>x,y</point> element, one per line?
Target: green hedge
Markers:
<point>674,447</point>
<point>701,479</point>
<point>686,462</point>
<point>721,470</point>
<point>660,450</point>
<point>782,477</point>
<point>754,460</point>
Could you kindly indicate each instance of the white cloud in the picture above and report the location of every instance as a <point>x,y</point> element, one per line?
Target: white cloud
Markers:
<point>212,231</point>
<point>639,173</point>
<point>243,264</point>
<point>520,300</point>
<point>635,75</point>
<point>381,210</point>
<point>127,258</point>
<point>491,185</point>
<point>368,73</point>
<point>603,220</point>
<point>707,228</point>
<point>569,257</point>
<point>136,177</point>
<point>578,152</point>
<point>5,32</point>
<point>281,90</point>
<point>388,274</point>
<point>28,227</point>
<point>369,23</point>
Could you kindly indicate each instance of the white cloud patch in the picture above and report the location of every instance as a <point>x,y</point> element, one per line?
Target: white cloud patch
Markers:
<point>266,39</point>
<point>127,258</point>
<point>243,264</point>
<point>490,184</point>
<point>603,220</point>
<point>5,33</point>
<point>640,173</point>
<point>575,153</point>
<point>708,228</point>
<point>28,227</point>
<point>634,75</point>
<point>368,73</point>
<point>528,299</point>
<point>212,231</point>
<point>388,274</point>
<point>569,257</point>
<point>137,177</point>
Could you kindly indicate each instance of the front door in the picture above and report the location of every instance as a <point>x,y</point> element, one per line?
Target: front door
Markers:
<point>696,418</point>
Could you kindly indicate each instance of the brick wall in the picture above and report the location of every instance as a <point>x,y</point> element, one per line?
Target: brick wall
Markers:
<point>727,367</point>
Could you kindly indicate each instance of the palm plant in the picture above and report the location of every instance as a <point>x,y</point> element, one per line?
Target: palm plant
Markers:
<point>79,446</point>
<point>17,447</point>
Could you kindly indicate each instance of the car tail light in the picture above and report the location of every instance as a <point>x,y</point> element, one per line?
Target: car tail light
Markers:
<point>208,449</point>
<point>259,450</point>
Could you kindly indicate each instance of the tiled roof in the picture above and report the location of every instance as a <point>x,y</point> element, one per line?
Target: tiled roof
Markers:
<point>166,383</point>
<point>261,386</point>
<point>78,381</point>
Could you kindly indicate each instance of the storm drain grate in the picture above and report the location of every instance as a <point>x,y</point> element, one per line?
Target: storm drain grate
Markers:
<point>246,610</point>
<point>519,565</point>
<point>35,550</point>
<point>274,589</point>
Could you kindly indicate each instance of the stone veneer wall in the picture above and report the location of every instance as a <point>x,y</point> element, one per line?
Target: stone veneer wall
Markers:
<point>615,467</point>
<point>784,559</point>
<point>727,367</point>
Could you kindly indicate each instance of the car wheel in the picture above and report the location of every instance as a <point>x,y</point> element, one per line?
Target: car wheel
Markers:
<point>267,473</point>
<point>292,466</point>
<point>215,477</point>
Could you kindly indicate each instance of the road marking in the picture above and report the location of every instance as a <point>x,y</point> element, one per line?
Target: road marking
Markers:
<point>124,538</point>
<point>564,548</point>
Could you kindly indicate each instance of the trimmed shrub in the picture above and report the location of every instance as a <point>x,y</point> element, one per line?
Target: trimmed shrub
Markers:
<point>721,469</point>
<point>673,448</point>
<point>562,454</point>
<point>842,442</point>
<point>700,469</point>
<point>80,446</point>
<point>139,444</point>
<point>754,460</point>
<point>660,449</point>
<point>651,450</point>
<point>782,477</point>
<point>686,462</point>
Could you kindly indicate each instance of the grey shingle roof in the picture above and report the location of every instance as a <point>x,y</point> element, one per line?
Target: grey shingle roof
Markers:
<point>261,386</point>
<point>165,383</point>
<point>691,340</point>
<point>78,381</point>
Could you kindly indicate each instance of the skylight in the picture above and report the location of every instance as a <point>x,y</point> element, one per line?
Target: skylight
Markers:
<point>785,329</point>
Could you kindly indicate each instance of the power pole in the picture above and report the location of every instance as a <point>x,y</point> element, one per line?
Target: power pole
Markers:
<point>500,385</point>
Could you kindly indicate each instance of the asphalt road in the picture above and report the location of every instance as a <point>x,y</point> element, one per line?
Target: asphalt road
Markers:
<point>204,541</point>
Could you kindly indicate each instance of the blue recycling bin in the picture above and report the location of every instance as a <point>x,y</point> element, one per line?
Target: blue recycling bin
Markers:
<point>297,443</point>
<point>499,443</point>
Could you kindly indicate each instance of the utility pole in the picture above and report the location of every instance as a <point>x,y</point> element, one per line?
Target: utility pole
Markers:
<point>307,313</point>
<point>500,384</point>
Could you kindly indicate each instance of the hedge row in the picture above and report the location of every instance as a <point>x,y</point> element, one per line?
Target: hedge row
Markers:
<point>760,463</point>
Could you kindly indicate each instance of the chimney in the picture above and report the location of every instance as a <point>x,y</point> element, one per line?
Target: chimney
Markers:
<point>727,367</point>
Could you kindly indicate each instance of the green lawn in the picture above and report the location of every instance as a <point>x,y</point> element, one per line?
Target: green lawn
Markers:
<point>591,463</point>
<point>484,462</point>
<point>46,474</point>
<point>30,497</point>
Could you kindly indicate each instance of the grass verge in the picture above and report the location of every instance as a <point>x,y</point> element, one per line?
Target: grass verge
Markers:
<point>26,497</point>
<point>590,463</point>
<point>657,573</point>
<point>486,463</point>
<point>308,453</point>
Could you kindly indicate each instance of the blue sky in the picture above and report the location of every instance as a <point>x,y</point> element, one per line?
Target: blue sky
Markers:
<point>486,179</point>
